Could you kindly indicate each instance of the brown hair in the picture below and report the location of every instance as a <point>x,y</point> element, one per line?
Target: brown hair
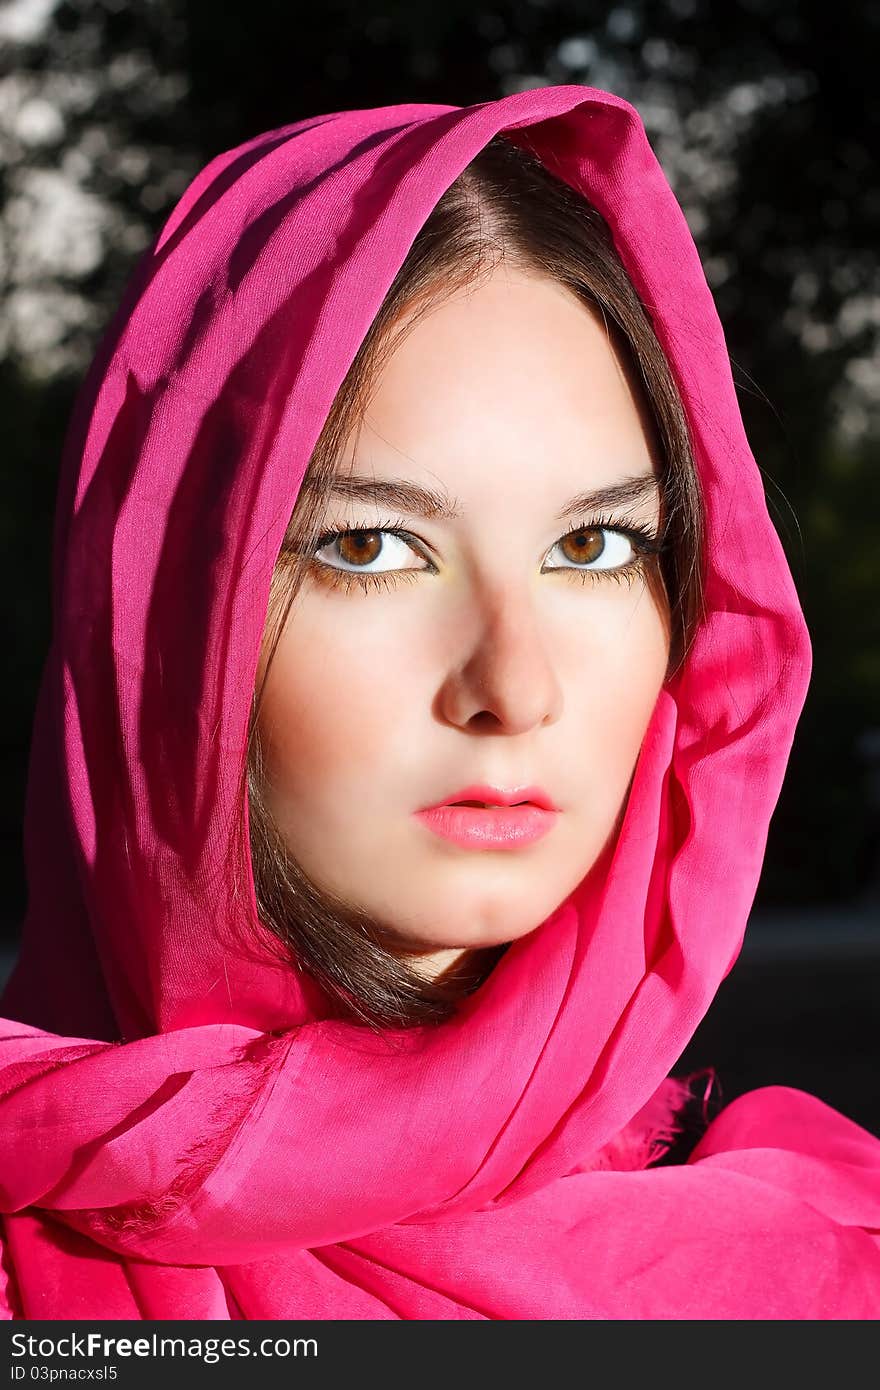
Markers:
<point>507,202</point>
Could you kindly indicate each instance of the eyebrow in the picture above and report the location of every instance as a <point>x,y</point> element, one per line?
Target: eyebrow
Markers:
<point>437,505</point>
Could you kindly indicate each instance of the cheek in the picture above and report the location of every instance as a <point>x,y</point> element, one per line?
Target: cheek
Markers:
<point>623,678</point>
<point>328,717</point>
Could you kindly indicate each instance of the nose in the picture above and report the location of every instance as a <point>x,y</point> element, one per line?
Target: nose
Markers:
<point>507,681</point>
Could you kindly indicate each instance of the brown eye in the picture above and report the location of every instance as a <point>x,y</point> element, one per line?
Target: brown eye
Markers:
<point>604,550</point>
<point>583,546</point>
<point>360,547</point>
<point>355,549</point>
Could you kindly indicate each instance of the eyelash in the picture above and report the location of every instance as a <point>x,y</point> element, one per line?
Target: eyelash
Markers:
<point>648,547</point>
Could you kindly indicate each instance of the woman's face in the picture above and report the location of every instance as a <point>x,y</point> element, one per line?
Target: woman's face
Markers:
<point>492,649</point>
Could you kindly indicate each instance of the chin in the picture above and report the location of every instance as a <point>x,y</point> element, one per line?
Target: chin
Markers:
<point>471,939</point>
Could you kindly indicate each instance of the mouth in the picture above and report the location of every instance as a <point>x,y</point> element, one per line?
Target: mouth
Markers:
<point>488,805</point>
<point>496,820</point>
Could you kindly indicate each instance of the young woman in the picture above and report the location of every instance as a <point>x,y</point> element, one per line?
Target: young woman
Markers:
<point>424,670</point>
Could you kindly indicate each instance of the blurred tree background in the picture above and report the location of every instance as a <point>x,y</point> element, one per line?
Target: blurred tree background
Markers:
<point>766,117</point>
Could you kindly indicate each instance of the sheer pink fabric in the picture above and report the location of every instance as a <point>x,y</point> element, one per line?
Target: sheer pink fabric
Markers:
<point>183,1132</point>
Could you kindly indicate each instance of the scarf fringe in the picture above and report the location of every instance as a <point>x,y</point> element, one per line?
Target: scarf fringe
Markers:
<point>661,1121</point>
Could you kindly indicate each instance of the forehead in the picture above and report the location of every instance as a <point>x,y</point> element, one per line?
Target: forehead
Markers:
<point>509,389</point>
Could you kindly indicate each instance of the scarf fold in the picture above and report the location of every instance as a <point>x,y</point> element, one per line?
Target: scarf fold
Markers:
<point>183,1132</point>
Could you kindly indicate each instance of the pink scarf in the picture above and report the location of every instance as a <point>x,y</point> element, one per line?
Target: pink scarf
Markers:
<point>182,1132</point>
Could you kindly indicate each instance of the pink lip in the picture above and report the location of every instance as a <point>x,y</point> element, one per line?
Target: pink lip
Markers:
<point>507,827</point>
<point>480,791</point>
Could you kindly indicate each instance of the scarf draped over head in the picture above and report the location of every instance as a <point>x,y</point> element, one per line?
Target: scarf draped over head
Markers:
<point>183,1131</point>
